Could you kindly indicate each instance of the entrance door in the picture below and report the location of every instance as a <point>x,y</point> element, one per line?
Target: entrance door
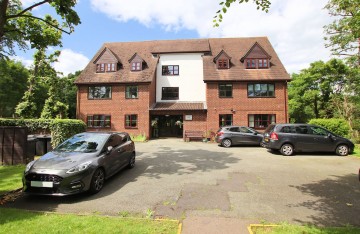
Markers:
<point>170,125</point>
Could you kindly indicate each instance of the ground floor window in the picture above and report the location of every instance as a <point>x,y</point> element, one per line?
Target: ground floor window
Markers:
<point>99,121</point>
<point>261,121</point>
<point>225,120</point>
<point>131,121</point>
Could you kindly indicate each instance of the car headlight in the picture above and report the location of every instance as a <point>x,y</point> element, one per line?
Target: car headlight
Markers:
<point>78,168</point>
<point>29,165</point>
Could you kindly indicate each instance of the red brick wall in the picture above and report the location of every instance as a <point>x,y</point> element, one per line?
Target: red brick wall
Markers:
<point>117,107</point>
<point>243,105</point>
<point>152,94</point>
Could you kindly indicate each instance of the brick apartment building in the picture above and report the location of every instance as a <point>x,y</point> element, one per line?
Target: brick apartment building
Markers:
<point>162,88</point>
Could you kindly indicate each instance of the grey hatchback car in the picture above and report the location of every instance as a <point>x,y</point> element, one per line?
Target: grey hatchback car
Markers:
<point>81,163</point>
<point>236,135</point>
<point>290,138</point>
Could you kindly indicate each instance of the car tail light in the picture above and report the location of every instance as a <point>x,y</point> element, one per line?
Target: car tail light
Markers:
<point>274,136</point>
<point>219,133</point>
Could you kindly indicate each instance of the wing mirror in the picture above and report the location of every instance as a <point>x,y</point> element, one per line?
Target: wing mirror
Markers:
<point>109,149</point>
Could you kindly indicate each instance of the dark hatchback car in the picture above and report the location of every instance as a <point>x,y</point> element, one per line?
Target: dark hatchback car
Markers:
<point>238,135</point>
<point>81,163</point>
<point>290,138</point>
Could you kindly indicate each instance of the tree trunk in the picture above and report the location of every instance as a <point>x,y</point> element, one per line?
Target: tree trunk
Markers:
<point>316,109</point>
<point>3,8</point>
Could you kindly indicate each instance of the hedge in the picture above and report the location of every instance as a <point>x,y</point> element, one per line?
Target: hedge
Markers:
<point>60,129</point>
<point>337,126</point>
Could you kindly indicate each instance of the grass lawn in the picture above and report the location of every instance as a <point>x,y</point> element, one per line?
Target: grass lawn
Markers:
<point>10,178</point>
<point>295,229</point>
<point>356,150</point>
<point>19,221</point>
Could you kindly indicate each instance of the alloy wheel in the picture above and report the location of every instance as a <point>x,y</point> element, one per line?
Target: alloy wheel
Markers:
<point>287,149</point>
<point>226,142</point>
<point>132,161</point>
<point>99,179</point>
<point>342,150</point>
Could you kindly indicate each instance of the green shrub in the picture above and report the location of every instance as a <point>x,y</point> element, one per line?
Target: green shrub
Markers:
<point>138,138</point>
<point>34,125</point>
<point>60,129</point>
<point>337,126</point>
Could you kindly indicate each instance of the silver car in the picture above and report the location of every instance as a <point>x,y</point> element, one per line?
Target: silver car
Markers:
<point>238,135</point>
<point>81,163</point>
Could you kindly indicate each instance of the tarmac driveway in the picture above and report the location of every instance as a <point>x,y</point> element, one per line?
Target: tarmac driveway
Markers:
<point>176,179</point>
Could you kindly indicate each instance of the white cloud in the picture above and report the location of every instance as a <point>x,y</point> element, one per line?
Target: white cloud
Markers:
<point>70,62</point>
<point>26,62</point>
<point>27,3</point>
<point>294,27</point>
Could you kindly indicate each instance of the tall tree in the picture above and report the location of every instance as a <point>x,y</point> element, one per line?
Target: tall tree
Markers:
<point>19,26</point>
<point>53,107</point>
<point>326,90</point>
<point>29,105</point>
<point>344,32</point>
<point>311,91</point>
<point>12,86</point>
<point>69,91</point>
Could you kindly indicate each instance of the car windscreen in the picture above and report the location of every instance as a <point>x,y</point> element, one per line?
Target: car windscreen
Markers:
<point>83,143</point>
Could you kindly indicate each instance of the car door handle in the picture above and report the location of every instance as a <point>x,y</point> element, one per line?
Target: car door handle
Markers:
<point>121,150</point>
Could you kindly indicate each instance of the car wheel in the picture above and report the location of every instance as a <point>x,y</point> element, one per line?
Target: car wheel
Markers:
<point>226,143</point>
<point>342,150</point>
<point>287,149</point>
<point>97,181</point>
<point>132,161</point>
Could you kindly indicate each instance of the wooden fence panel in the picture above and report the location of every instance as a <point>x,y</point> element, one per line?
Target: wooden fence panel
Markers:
<point>13,145</point>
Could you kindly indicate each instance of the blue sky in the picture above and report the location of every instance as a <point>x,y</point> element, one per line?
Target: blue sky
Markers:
<point>294,27</point>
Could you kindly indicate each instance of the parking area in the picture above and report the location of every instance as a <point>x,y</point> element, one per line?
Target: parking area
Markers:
<point>176,179</point>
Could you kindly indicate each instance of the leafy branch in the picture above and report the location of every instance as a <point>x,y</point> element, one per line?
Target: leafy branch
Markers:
<point>263,5</point>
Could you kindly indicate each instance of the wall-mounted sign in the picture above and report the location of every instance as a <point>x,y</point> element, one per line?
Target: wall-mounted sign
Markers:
<point>188,117</point>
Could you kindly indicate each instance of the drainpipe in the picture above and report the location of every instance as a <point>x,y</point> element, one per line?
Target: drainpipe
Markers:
<point>285,102</point>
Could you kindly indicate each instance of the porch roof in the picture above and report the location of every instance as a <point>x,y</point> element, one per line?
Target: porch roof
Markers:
<point>179,106</point>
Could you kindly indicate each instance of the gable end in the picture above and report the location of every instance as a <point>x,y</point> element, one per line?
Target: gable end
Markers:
<point>256,52</point>
<point>107,56</point>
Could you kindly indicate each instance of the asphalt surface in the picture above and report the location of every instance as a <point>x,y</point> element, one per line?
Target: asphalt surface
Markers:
<point>205,182</point>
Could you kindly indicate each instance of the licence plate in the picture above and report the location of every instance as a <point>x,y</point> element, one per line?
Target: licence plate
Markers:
<point>41,184</point>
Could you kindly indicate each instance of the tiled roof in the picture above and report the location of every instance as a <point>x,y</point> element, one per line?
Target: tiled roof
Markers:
<point>235,48</point>
<point>178,106</point>
<point>179,46</point>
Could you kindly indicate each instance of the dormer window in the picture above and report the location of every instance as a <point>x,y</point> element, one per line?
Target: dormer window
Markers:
<point>107,61</point>
<point>137,63</point>
<point>263,63</point>
<point>223,64</point>
<point>136,66</point>
<point>257,63</point>
<point>105,67</point>
<point>222,60</point>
